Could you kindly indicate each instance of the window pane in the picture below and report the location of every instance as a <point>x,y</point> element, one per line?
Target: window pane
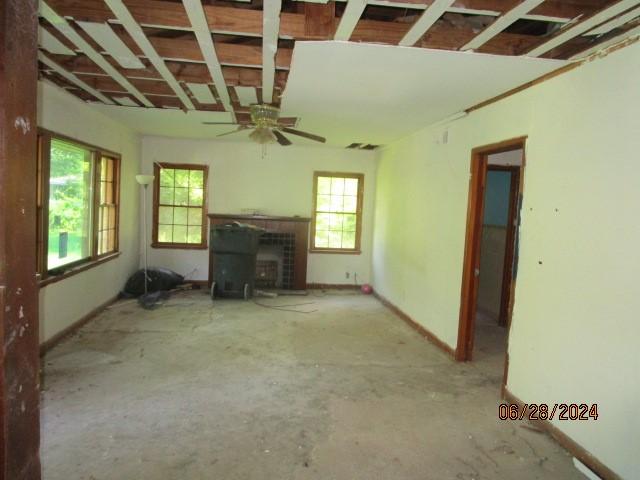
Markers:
<point>196,196</point>
<point>70,193</point>
<point>196,178</point>
<point>165,215</point>
<point>180,234</point>
<point>350,204</point>
<point>166,177</point>
<point>322,239</point>
<point>336,203</point>
<point>335,239</point>
<point>181,196</point>
<point>349,240</point>
<point>194,235</point>
<point>322,221</point>
<point>165,233</point>
<point>195,216</point>
<point>181,178</point>
<point>180,216</point>
<point>351,186</point>
<point>336,221</point>
<point>324,203</point>
<point>166,196</point>
<point>337,186</point>
<point>349,223</point>
<point>324,185</point>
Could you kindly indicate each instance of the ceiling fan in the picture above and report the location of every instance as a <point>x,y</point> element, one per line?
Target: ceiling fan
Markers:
<point>267,129</point>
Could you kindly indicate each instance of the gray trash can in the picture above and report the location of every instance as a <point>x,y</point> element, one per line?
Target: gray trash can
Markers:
<point>234,247</point>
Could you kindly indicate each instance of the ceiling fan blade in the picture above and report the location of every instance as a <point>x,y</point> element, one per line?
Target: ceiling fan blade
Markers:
<point>282,140</point>
<point>300,133</point>
<point>237,130</point>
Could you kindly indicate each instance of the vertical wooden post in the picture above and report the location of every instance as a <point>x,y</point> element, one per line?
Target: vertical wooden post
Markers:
<point>19,362</point>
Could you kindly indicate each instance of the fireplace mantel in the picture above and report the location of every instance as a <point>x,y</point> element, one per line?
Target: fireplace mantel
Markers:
<point>299,226</point>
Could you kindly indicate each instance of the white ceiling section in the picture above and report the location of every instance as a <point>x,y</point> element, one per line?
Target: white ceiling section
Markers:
<point>379,93</point>
<point>51,44</point>
<point>202,93</point>
<point>246,95</point>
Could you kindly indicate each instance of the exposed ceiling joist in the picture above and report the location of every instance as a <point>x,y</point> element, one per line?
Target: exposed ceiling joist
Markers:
<point>103,35</point>
<point>51,44</point>
<point>426,20</point>
<point>501,23</point>
<point>270,30</point>
<point>349,19</point>
<point>200,25</point>
<point>73,78</point>
<point>626,36</point>
<point>136,33</point>
<point>615,23</point>
<point>582,27</point>
<point>68,31</point>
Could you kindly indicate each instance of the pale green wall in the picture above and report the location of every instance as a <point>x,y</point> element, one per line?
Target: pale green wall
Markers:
<point>575,324</point>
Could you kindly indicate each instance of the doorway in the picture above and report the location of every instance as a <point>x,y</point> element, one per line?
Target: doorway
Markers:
<point>491,249</point>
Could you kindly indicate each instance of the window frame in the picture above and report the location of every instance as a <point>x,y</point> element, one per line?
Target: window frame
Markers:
<point>43,160</point>
<point>156,205</point>
<point>348,251</point>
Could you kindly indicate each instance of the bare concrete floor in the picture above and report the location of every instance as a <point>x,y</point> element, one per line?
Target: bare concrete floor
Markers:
<point>240,391</point>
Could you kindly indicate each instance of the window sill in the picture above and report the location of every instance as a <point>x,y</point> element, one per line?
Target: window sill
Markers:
<point>180,246</point>
<point>78,269</point>
<point>338,251</point>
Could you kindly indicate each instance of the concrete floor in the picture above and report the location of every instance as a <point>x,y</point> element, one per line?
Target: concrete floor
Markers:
<point>241,391</point>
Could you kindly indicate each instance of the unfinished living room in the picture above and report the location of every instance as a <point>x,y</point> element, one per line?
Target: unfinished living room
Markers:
<point>311,239</point>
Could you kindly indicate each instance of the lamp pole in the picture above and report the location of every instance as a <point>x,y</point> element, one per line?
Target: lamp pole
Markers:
<point>145,180</point>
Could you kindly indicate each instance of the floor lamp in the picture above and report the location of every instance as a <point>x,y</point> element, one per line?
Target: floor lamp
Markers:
<point>145,180</point>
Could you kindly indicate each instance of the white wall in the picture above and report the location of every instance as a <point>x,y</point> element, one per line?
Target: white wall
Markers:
<point>64,302</point>
<point>575,325</point>
<point>279,184</point>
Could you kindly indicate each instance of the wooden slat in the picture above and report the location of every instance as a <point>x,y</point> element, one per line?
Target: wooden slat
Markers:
<point>349,19</point>
<point>425,22</point>
<point>501,23</point>
<point>270,30</point>
<point>582,27</point>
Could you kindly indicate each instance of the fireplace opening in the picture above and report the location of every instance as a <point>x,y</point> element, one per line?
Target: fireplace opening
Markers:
<point>274,266</point>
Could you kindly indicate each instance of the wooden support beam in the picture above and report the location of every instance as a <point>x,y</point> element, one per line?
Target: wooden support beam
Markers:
<point>319,20</point>
<point>68,31</point>
<point>19,329</point>
<point>633,34</point>
<point>51,43</point>
<point>582,27</point>
<point>617,22</point>
<point>425,22</point>
<point>270,30</point>
<point>349,19</point>
<point>135,31</point>
<point>501,23</point>
<point>198,20</point>
<point>75,80</point>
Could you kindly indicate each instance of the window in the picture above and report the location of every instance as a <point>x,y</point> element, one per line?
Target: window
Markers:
<point>336,221</point>
<point>180,206</point>
<point>77,204</point>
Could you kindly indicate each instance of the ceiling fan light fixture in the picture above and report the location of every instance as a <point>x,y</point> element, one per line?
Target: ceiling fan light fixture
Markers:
<point>262,135</point>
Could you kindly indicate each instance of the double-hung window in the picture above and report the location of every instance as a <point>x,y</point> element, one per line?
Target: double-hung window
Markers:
<point>77,204</point>
<point>180,206</point>
<point>337,212</point>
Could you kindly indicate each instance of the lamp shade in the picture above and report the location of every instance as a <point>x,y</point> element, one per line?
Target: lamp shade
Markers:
<point>144,179</point>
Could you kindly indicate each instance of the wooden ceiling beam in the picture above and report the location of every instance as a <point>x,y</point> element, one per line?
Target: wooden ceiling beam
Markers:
<point>148,87</point>
<point>581,27</point>
<point>320,19</point>
<point>349,20</point>
<point>501,23</point>
<point>137,35</point>
<point>425,22</point>
<point>270,31</point>
<point>67,30</point>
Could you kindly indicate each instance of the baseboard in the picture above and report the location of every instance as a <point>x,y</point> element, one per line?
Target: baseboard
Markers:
<point>416,326</point>
<point>336,286</point>
<point>58,337</point>
<point>575,449</point>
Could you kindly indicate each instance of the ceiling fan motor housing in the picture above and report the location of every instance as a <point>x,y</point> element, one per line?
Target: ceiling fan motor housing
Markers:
<point>264,115</point>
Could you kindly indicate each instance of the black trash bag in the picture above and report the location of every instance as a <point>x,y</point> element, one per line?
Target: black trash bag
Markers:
<point>160,279</point>
<point>152,300</point>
